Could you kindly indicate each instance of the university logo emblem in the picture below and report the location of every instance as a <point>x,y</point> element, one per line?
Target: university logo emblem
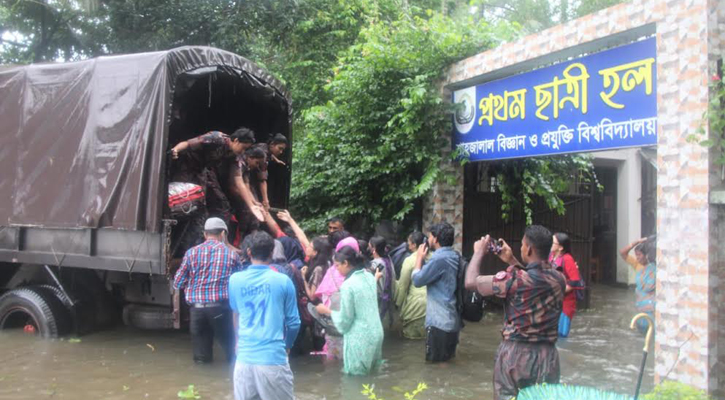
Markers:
<point>466,112</point>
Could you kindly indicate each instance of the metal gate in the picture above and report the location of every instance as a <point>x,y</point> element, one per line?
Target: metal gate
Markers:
<point>482,216</point>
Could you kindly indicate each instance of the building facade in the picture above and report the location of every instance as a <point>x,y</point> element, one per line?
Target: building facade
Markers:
<point>690,39</point>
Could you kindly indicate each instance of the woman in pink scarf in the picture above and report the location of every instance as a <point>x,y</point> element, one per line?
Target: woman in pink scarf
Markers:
<point>330,286</point>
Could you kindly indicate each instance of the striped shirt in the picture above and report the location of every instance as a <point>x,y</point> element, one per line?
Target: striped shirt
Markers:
<point>205,272</point>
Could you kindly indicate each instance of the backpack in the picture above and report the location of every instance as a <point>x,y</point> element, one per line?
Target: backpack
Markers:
<point>398,255</point>
<point>469,303</point>
<point>578,286</point>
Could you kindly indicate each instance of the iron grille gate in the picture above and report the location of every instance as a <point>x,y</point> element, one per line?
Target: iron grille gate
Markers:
<point>482,216</point>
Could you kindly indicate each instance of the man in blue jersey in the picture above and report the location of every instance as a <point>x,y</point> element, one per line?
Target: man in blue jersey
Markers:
<point>266,321</point>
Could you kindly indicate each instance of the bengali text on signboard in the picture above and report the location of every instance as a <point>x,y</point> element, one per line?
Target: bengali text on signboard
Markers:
<point>602,101</point>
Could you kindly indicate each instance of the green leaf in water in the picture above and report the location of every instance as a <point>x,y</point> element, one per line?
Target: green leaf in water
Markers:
<point>189,393</point>
<point>126,388</point>
<point>74,340</point>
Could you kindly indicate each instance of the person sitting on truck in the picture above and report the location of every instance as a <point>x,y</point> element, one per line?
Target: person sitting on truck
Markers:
<point>272,154</point>
<point>251,166</point>
<point>204,276</point>
<point>212,161</point>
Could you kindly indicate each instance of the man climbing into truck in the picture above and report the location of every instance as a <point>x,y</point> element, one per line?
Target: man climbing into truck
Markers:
<point>213,160</point>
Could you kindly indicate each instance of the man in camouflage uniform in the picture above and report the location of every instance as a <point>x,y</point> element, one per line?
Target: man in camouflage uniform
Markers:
<point>212,161</point>
<point>533,297</point>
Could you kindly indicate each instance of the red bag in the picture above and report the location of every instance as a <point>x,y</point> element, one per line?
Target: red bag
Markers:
<point>185,198</point>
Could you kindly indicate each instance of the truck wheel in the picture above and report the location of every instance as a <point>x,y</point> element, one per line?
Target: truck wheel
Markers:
<point>34,309</point>
<point>148,317</point>
<point>57,293</point>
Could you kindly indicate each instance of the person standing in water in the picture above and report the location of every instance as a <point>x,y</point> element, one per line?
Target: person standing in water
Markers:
<point>562,260</point>
<point>358,318</point>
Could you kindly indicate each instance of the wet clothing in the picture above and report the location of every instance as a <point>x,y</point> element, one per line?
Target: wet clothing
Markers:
<point>262,173</point>
<point>212,148</point>
<point>646,283</point>
<point>411,301</point>
<point>314,280</point>
<point>440,345</point>
<point>533,300</point>
<point>570,269</point>
<point>330,286</point>
<point>295,276</point>
<point>645,290</point>
<point>263,382</point>
<point>521,364</point>
<point>205,271</point>
<point>386,286</point>
<point>439,275</point>
<point>209,162</point>
<point>205,324</point>
<point>359,322</point>
<point>292,249</point>
<point>268,320</point>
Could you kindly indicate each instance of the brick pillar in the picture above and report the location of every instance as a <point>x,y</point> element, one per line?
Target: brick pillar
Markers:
<point>716,50</point>
<point>445,201</point>
<point>684,348</point>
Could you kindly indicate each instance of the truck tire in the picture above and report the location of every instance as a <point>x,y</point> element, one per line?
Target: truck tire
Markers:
<point>148,317</point>
<point>58,294</point>
<point>37,307</point>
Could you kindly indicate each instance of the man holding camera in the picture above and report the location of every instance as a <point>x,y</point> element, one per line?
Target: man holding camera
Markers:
<point>533,296</point>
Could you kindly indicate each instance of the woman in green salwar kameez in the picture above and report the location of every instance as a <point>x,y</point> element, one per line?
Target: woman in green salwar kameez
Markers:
<point>358,319</point>
<point>411,301</point>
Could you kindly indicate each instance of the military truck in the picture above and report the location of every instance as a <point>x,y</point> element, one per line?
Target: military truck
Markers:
<point>86,236</point>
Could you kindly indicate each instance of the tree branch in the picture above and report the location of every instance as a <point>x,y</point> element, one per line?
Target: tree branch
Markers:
<point>11,42</point>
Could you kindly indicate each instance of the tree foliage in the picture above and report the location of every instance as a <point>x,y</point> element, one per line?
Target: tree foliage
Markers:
<point>375,146</point>
<point>364,74</point>
<point>536,15</point>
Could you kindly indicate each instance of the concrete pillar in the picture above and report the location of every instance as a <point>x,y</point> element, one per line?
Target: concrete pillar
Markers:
<point>629,209</point>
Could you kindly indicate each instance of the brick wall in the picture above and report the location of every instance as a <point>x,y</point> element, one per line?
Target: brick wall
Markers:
<point>716,31</point>
<point>690,35</point>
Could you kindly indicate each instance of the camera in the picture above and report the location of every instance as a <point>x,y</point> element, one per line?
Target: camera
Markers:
<point>495,246</point>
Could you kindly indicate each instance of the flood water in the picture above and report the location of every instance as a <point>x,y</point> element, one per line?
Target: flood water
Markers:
<point>125,363</point>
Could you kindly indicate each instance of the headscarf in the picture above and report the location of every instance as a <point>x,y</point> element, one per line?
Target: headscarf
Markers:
<point>292,249</point>
<point>348,241</point>
<point>330,285</point>
<point>278,253</point>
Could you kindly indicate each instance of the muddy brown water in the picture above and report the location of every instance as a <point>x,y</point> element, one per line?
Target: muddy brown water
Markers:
<point>130,364</point>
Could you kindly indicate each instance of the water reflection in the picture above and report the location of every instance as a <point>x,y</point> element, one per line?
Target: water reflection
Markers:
<point>119,364</point>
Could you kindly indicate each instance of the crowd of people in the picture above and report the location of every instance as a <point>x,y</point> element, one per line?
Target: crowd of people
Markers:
<point>279,294</point>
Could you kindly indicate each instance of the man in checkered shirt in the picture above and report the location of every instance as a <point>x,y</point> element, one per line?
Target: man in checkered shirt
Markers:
<point>204,276</point>
<point>533,294</point>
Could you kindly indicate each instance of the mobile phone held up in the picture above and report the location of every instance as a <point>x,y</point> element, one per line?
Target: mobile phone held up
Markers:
<point>495,246</point>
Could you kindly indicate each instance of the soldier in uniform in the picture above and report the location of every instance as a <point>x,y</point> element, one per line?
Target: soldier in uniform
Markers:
<point>210,160</point>
<point>251,174</point>
<point>533,295</point>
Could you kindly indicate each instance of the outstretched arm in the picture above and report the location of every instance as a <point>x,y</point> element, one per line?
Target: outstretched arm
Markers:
<point>240,189</point>
<point>506,255</point>
<point>480,248</point>
<point>286,217</point>
<point>178,149</point>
